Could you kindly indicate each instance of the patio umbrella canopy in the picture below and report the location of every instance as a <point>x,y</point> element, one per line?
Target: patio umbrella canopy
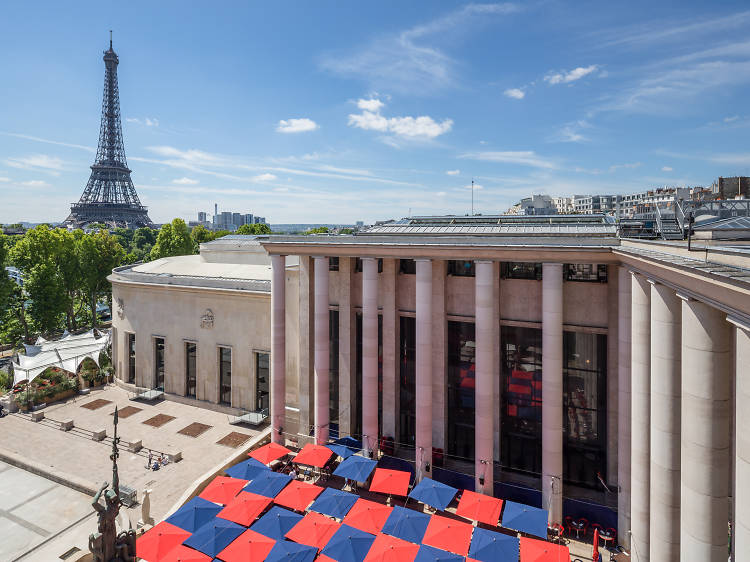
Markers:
<point>214,537</point>
<point>448,534</point>
<point>245,508</point>
<point>269,453</point>
<point>479,507</point>
<point>342,450</point>
<point>287,551</point>
<point>348,544</point>
<point>297,495</point>
<point>386,481</point>
<point>183,553</point>
<point>248,547</point>
<point>349,441</point>
<point>194,514</point>
<point>386,548</point>
<point>334,503</point>
<point>155,543</point>
<point>431,554</point>
<point>533,550</point>
<point>222,489</point>
<point>524,518</point>
<point>433,493</point>
<point>489,546</point>
<point>276,523</point>
<point>355,468</point>
<point>313,455</point>
<point>313,530</point>
<point>268,483</point>
<point>367,516</point>
<point>406,524</point>
<point>246,470</point>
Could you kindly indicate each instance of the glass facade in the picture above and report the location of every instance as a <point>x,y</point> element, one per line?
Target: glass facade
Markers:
<point>333,367</point>
<point>357,426</point>
<point>131,358</point>
<point>225,375</point>
<point>460,395</point>
<point>461,268</point>
<point>592,272</point>
<point>521,404</point>
<point>190,369</point>
<point>159,363</point>
<point>407,381</point>
<point>333,264</point>
<point>520,270</point>
<point>262,379</point>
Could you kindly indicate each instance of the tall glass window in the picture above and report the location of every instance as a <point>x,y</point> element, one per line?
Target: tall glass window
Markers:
<point>333,264</point>
<point>407,266</point>
<point>225,375</point>
<point>586,272</point>
<point>461,268</point>
<point>408,381</point>
<point>521,415</point>
<point>460,399</point>
<point>521,270</point>
<point>585,407</point>
<point>131,358</point>
<point>262,379</point>
<point>357,426</point>
<point>159,362</point>
<point>333,364</point>
<point>190,369</point>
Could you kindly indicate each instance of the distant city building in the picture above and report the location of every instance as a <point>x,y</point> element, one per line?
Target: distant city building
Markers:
<point>564,205</point>
<point>594,204</point>
<point>360,224</point>
<point>227,220</point>
<point>732,188</point>
<point>202,216</point>
<point>538,205</point>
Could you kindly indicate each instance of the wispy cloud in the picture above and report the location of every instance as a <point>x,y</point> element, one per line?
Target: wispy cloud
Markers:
<point>521,158</point>
<point>146,121</point>
<point>42,162</point>
<point>301,125</point>
<point>566,77</point>
<point>48,141</point>
<point>34,183</point>
<point>452,172</point>
<point>667,169</point>
<point>515,93</point>
<point>629,166</point>
<point>422,127</point>
<point>185,181</point>
<point>265,177</point>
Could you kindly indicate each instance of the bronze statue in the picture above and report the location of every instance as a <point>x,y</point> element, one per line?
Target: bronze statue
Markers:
<point>107,545</point>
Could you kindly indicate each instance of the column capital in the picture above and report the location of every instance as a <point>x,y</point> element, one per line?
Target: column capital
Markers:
<point>739,322</point>
<point>652,281</point>
<point>484,261</point>
<point>684,297</point>
<point>369,258</point>
<point>423,259</point>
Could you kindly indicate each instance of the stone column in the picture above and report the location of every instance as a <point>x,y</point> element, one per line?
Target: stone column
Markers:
<point>640,412</point>
<point>552,390</point>
<point>623,407</point>
<point>486,408</point>
<point>347,365</point>
<point>664,476</point>
<point>742,439</point>
<point>706,425</point>
<point>369,354</point>
<point>391,363</point>
<point>322,345</point>
<point>424,369</point>
<point>278,348</point>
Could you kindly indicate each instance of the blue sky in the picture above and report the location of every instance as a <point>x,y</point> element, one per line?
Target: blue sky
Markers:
<point>336,112</point>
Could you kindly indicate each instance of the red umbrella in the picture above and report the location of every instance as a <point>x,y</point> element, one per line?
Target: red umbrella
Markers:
<point>159,540</point>
<point>367,516</point>
<point>248,547</point>
<point>595,555</point>
<point>184,553</point>
<point>269,452</point>
<point>297,495</point>
<point>448,534</point>
<point>313,455</point>
<point>223,489</point>
<point>386,548</point>
<point>313,530</point>
<point>479,507</point>
<point>324,558</point>
<point>387,481</point>
<point>245,508</point>
<point>533,550</point>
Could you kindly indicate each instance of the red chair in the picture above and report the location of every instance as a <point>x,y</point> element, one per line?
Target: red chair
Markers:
<point>610,538</point>
<point>595,526</point>
<point>568,521</point>
<point>584,523</point>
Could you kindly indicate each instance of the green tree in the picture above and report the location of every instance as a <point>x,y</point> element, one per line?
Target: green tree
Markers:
<point>69,269</point>
<point>319,230</point>
<point>48,299</point>
<point>201,234</point>
<point>144,238</point>
<point>5,282</point>
<point>258,228</point>
<point>98,253</point>
<point>173,240</point>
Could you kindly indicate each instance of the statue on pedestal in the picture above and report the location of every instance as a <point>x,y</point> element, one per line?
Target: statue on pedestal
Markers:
<point>107,545</point>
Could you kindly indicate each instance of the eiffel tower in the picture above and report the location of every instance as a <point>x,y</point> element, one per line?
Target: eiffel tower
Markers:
<point>110,196</point>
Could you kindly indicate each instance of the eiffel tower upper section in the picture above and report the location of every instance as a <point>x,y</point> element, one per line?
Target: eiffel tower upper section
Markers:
<point>110,196</point>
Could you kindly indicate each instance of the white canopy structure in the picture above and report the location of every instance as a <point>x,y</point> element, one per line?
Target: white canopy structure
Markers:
<point>67,353</point>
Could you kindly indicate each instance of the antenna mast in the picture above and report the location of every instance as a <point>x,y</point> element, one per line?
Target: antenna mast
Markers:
<point>472,197</point>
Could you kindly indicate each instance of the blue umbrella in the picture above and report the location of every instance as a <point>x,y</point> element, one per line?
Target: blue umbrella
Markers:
<point>276,523</point>
<point>356,468</point>
<point>194,514</point>
<point>349,441</point>
<point>490,546</point>
<point>246,470</point>
<point>288,551</point>
<point>342,450</point>
<point>268,483</point>
<point>406,524</point>
<point>215,536</point>
<point>524,518</point>
<point>334,503</point>
<point>348,544</point>
<point>431,554</point>
<point>433,493</point>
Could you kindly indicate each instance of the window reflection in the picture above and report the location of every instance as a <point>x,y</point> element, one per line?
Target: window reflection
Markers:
<point>460,399</point>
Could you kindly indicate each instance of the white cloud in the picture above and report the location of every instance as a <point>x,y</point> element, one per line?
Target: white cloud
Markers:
<point>147,121</point>
<point>521,158</point>
<point>38,162</point>
<point>265,177</point>
<point>296,125</point>
<point>440,194</point>
<point>185,181</point>
<point>630,166</point>
<point>34,183</point>
<point>666,169</point>
<point>47,141</point>
<point>515,93</point>
<point>570,133</point>
<point>571,75</point>
<point>4,179</point>
<point>453,172</point>
<point>731,119</point>
<point>476,186</point>
<point>407,127</point>
<point>374,105</point>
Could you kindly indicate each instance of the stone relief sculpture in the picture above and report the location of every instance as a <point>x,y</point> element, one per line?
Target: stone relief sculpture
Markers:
<point>207,320</point>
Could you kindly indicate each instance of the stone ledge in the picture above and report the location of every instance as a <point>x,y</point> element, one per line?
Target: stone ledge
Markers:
<point>135,446</point>
<point>37,416</point>
<point>50,473</point>
<point>175,457</point>
<point>66,425</point>
<point>99,435</point>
